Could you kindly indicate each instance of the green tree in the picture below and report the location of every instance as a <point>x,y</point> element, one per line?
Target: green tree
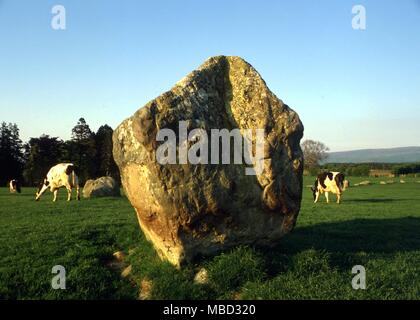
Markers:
<point>314,152</point>
<point>11,153</point>
<point>41,154</point>
<point>105,163</point>
<point>82,150</point>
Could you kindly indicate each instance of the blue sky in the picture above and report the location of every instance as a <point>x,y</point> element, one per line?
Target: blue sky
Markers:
<point>352,88</point>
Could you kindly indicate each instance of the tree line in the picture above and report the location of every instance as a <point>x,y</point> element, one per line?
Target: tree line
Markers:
<point>315,153</point>
<point>364,169</point>
<point>91,152</point>
<point>403,169</point>
<point>29,162</point>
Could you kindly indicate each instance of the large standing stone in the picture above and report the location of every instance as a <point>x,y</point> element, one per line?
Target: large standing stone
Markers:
<point>187,210</point>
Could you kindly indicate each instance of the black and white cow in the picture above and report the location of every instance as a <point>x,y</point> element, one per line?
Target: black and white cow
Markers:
<point>328,182</point>
<point>14,186</point>
<point>59,176</point>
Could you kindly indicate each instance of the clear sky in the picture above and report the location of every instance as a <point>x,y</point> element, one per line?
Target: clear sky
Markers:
<point>352,88</point>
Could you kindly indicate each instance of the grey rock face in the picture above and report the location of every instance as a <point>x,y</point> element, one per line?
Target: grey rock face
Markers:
<point>102,187</point>
<point>187,210</point>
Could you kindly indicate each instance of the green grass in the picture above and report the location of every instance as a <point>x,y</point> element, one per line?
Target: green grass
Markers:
<point>376,226</point>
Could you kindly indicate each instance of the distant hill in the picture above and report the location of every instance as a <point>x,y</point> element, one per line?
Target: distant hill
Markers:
<point>391,155</point>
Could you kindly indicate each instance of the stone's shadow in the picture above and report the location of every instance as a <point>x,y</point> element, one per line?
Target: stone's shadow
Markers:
<point>370,235</point>
<point>347,243</point>
<point>377,200</point>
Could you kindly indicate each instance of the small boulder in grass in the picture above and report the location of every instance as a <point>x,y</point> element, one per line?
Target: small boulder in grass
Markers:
<point>201,276</point>
<point>119,256</point>
<point>146,286</point>
<point>126,272</point>
<point>102,187</point>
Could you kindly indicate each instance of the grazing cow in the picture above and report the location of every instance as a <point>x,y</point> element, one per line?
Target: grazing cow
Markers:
<point>14,186</point>
<point>61,175</point>
<point>328,182</point>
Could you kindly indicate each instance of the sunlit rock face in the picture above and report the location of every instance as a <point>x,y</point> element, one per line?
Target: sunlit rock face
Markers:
<point>188,210</point>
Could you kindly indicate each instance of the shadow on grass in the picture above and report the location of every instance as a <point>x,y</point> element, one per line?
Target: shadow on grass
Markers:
<point>322,253</point>
<point>371,235</point>
<point>377,200</point>
<point>346,242</point>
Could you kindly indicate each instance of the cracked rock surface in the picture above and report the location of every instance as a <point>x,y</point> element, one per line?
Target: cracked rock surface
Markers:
<point>189,210</point>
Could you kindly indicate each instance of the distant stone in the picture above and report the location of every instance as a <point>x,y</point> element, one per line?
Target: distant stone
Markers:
<point>402,181</point>
<point>364,183</point>
<point>102,187</point>
<point>188,209</point>
<point>382,182</point>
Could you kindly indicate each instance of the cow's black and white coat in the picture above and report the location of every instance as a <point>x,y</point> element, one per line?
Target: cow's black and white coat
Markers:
<point>59,176</point>
<point>14,186</point>
<point>328,182</point>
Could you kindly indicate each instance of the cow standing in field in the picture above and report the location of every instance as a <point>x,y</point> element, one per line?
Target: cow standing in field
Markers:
<point>14,186</point>
<point>328,182</point>
<point>59,176</point>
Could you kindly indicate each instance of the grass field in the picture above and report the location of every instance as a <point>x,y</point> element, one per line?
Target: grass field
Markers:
<point>376,226</point>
